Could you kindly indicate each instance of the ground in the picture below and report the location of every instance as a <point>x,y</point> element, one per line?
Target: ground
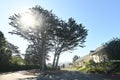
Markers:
<point>55,75</point>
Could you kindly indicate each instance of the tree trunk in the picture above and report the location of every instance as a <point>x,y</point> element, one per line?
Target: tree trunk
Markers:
<point>56,65</point>
<point>43,51</point>
<point>43,60</point>
<point>54,61</point>
<point>57,56</point>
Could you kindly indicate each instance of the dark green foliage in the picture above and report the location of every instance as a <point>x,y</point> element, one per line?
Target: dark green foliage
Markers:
<point>112,49</point>
<point>93,67</point>
<point>6,50</point>
<point>2,42</point>
<point>17,60</point>
<point>18,67</point>
<point>5,54</point>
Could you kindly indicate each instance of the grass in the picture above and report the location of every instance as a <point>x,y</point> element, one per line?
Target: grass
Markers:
<point>83,69</point>
<point>117,73</point>
<point>70,69</point>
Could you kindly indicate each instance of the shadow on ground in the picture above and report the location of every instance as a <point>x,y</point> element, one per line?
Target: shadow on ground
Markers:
<point>55,75</point>
<point>72,75</point>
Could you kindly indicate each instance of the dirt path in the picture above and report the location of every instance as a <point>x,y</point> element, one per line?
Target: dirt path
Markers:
<point>19,75</point>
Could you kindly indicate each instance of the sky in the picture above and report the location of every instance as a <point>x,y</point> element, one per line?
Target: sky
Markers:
<point>100,17</point>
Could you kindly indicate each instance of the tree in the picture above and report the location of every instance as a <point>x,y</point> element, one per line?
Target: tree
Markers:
<point>112,49</point>
<point>34,25</point>
<point>13,53</point>
<point>5,54</point>
<point>17,60</point>
<point>75,58</point>
<point>2,43</point>
<point>2,49</point>
<point>32,57</point>
<point>69,35</point>
<point>12,48</point>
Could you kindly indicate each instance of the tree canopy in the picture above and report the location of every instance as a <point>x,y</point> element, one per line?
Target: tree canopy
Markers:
<point>69,35</point>
<point>112,49</point>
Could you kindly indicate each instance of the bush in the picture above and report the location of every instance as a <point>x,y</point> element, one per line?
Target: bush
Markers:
<point>18,67</point>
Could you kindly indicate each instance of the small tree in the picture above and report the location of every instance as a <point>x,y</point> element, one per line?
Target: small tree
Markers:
<point>32,57</point>
<point>17,60</point>
<point>75,58</point>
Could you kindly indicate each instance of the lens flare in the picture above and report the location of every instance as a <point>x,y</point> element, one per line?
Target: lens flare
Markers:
<point>28,20</point>
<point>31,20</point>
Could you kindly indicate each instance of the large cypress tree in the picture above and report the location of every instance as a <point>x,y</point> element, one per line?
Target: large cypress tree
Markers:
<point>37,32</point>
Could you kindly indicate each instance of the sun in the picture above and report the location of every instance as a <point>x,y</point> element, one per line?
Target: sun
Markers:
<point>31,20</point>
<point>28,20</point>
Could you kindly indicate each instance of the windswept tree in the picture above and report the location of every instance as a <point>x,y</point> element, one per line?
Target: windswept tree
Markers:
<point>34,25</point>
<point>69,35</point>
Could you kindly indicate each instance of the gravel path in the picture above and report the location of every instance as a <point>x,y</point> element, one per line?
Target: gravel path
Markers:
<point>56,75</point>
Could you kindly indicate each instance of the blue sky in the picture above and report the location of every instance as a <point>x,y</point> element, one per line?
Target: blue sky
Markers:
<point>100,17</point>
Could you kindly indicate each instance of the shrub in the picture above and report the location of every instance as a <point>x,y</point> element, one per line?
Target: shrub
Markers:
<point>18,67</point>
